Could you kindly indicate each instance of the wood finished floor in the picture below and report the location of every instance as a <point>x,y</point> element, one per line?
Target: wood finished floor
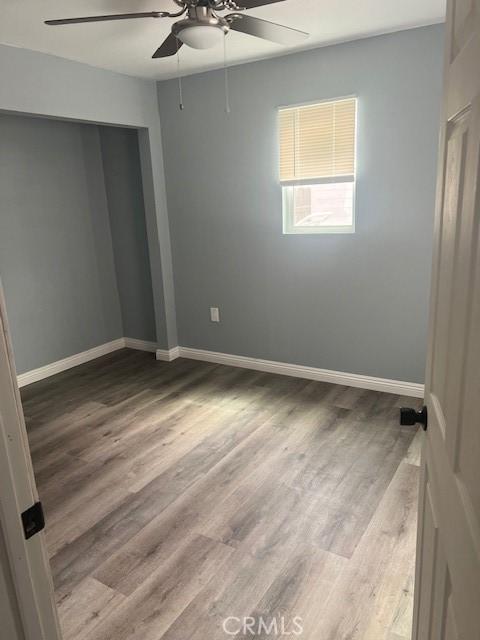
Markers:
<point>179,494</point>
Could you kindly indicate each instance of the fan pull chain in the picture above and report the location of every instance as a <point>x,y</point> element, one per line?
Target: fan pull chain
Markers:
<point>180,90</point>
<point>227,89</point>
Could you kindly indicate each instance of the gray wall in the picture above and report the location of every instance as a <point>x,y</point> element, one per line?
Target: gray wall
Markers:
<point>40,84</point>
<point>355,303</point>
<point>74,257</point>
<point>123,182</point>
<point>56,259</point>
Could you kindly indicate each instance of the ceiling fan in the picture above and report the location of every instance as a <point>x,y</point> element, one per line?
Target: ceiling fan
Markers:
<point>204,26</point>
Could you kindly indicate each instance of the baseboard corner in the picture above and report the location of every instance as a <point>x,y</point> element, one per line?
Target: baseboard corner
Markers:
<point>168,355</point>
<point>141,345</point>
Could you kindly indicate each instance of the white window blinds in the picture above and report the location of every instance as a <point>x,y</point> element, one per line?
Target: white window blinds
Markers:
<point>317,141</point>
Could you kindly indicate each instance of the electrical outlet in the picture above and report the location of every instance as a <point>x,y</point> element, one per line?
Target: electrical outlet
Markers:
<point>214,314</point>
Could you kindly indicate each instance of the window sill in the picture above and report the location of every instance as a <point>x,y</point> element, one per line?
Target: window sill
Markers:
<point>318,231</point>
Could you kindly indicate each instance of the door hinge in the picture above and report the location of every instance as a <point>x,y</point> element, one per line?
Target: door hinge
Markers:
<point>410,417</point>
<point>33,520</point>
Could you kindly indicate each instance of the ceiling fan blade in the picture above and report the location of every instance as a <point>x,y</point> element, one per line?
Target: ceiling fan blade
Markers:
<point>251,4</point>
<point>169,47</point>
<point>118,16</point>
<point>264,29</point>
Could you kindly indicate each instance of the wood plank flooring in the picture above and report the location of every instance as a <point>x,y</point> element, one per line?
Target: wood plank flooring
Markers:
<point>179,495</point>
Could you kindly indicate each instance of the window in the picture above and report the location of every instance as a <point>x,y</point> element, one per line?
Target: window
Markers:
<point>317,166</point>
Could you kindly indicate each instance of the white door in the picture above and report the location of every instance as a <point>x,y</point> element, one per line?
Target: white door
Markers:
<point>29,569</point>
<point>447,597</point>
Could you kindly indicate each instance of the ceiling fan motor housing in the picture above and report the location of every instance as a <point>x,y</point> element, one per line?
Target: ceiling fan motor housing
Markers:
<point>202,29</point>
<point>213,4</point>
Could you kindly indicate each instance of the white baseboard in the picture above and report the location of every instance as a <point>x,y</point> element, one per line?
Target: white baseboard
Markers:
<point>67,363</point>
<point>85,356</point>
<point>269,366</point>
<point>168,355</point>
<point>140,345</point>
<point>310,373</point>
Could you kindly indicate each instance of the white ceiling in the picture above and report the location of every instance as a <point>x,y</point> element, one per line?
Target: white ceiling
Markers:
<point>127,46</point>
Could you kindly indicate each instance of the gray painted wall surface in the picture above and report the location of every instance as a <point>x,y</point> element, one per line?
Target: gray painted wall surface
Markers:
<point>355,303</point>
<point>56,258</point>
<point>123,183</point>
<point>74,257</point>
<point>41,84</point>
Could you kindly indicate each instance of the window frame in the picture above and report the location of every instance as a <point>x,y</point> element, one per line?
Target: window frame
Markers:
<point>288,186</point>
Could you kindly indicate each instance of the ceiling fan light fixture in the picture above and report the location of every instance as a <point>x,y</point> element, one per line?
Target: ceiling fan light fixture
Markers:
<point>202,36</point>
